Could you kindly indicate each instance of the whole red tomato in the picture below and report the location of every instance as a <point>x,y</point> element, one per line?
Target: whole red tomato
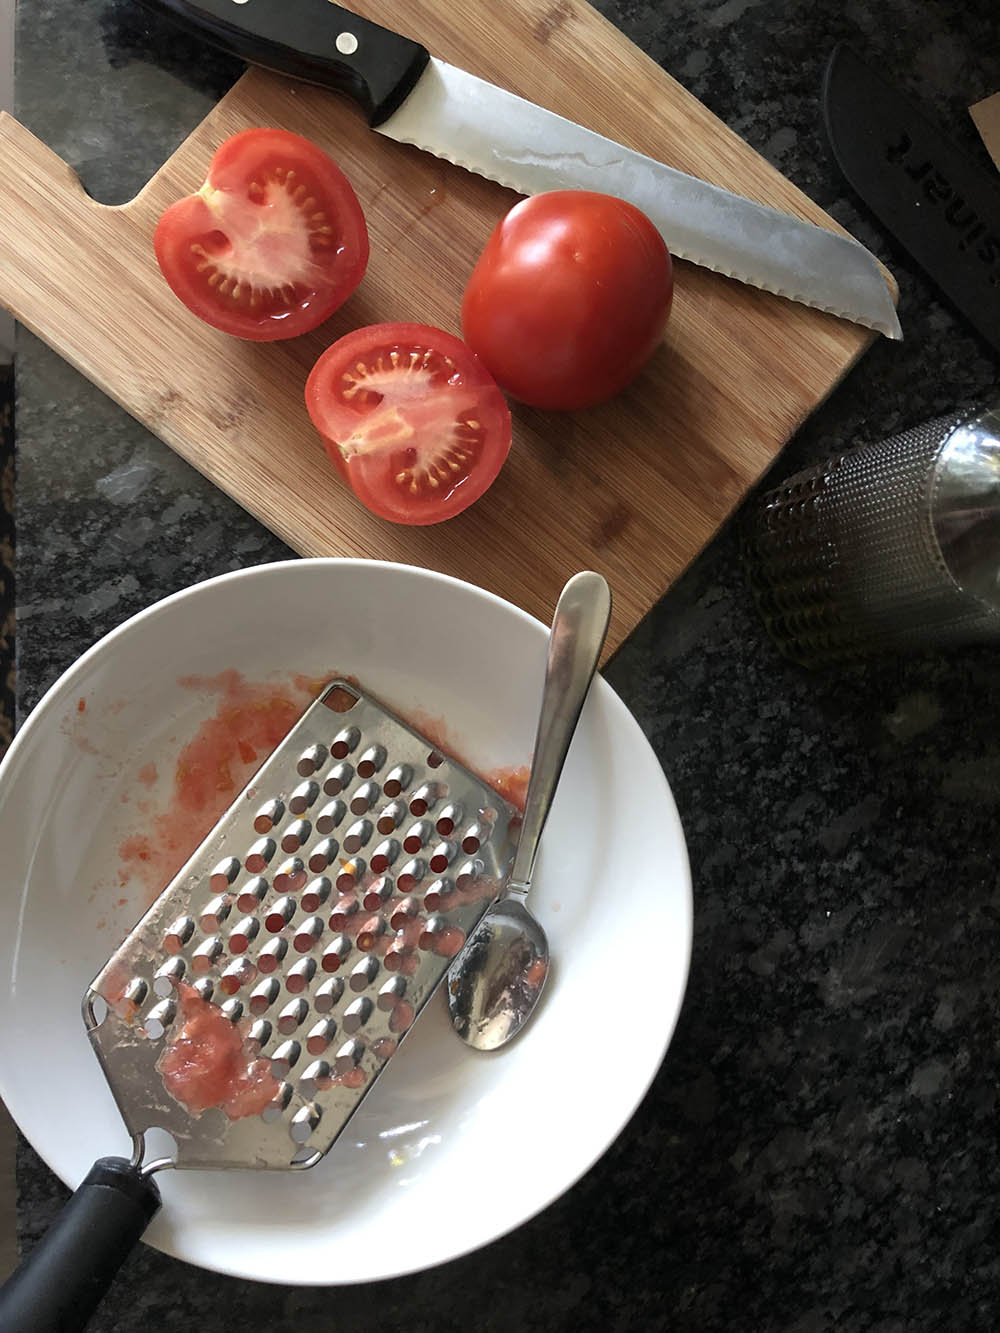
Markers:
<point>569,298</point>
<point>272,243</point>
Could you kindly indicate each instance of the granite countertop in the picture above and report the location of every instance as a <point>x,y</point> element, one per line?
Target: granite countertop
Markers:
<point>819,1149</point>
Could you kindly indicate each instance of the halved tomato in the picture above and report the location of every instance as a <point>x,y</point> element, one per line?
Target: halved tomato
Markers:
<point>411,419</point>
<point>272,243</point>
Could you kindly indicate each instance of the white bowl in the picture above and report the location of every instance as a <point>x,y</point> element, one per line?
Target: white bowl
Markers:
<point>612,889</point>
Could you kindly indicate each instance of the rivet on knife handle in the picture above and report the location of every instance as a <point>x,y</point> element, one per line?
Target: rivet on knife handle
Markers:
<point>313,40</point>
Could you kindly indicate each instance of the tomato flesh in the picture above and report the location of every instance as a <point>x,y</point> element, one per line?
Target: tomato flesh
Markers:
<point>569,298</point>
<point>273,242</point>
<point>209,1063</point>
<point>411,419</point>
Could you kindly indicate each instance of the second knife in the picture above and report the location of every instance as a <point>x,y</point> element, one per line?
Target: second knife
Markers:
<point>414,98</point>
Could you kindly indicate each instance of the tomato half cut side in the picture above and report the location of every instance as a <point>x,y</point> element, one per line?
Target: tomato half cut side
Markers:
<point>411,419</point>
<point>273,242</point>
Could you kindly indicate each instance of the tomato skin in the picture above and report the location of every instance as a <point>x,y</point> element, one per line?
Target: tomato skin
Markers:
<point>273,242</point>
<point>569,298</point>
<point>411,419</point>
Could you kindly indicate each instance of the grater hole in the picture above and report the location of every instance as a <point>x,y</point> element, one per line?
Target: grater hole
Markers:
<point>259,855</point>
<point>315,894</point>
<point>377,893</point>
<point>435,759</point>
<point>349,874</point>
<point>417,836</point>
<point>339,777</point>
<point>384,855</point>
<point>303,797</point>
<point>442,857</point>
<point>290,876</point>
<point>322,855</point>
<point>304,1121</point>
<point>311,760</point>
<point>468,874</point>
<point>279,915</point>
<point>269,814</point>
<point>215,913</point>
<point>357,1014</point>
<point>335,953</point>
<point>364,798</point>
<point>252,894</point>
<point>340,699</point>
<point>223,874</point>
<point>263,996</point>
<point>472,840</point>
<point>371,932</point>
<point>403,912</point>
<point>178,934</point>
<point>285,1058</point>
<point>384,1047</point>
<point>398,781</point>
<point>411,875</point>
<point>296,835</point>
<point>357,836</point>
<point>203,958</point>
<point>439,896</point>
<point>241,972</point>
<point>328,995</point>
<point>348,1058</point>
<point>300,976</point>
<point>317,1078</point>
<point>371,761</point>
<point>292,1016</point>
<point>330,816</point>
<point>159,1019</point>
<point>391,994</point>
<point>307,934</point>
<point>345,907</point>
<point>168,976</point>
<point>401,1018</point>
<point>243,934</point>
<point>260,1032</point>
<point>272,954</point>
<point>279,1102</point>
<point>321,1035</point>
<point>344,742</point>
<point>391,817</point>
<point>448,820</point>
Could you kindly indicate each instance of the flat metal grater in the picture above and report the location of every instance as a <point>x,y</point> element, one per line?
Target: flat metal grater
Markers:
<point>300,942</point>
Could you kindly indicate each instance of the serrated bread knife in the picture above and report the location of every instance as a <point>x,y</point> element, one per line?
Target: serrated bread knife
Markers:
<point>417,99</point>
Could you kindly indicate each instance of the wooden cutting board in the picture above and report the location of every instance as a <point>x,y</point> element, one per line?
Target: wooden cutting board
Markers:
<point>633,488</point>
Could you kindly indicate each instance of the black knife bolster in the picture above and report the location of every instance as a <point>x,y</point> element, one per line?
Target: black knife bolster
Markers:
<point>299,40</point>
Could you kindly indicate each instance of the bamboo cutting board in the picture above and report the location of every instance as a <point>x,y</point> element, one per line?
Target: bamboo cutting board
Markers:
<point>633,488</point>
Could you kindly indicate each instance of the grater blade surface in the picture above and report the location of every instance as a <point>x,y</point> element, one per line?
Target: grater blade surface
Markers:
<point>353,805</point>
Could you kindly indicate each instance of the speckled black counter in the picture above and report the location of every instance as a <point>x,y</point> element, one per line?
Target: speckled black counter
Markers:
<point>820,1148</point>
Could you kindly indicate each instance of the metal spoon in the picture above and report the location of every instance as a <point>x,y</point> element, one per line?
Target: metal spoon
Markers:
<point>495,983</point>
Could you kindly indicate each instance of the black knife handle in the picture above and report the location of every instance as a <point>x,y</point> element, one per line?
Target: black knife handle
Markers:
<point>313,40</point>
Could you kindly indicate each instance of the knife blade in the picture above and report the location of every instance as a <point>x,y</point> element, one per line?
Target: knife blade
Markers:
<point>414,98</point>
<point>921,186</point>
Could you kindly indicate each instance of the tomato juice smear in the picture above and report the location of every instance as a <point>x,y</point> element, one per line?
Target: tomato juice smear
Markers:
<point>251,719</point>
<point>511,784</point>
<point>208,1062</point>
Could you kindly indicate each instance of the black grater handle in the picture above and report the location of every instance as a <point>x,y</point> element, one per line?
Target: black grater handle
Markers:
<point>60,1284</point>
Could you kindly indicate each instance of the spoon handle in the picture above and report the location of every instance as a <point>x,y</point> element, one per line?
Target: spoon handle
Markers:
<point>579,626</point>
